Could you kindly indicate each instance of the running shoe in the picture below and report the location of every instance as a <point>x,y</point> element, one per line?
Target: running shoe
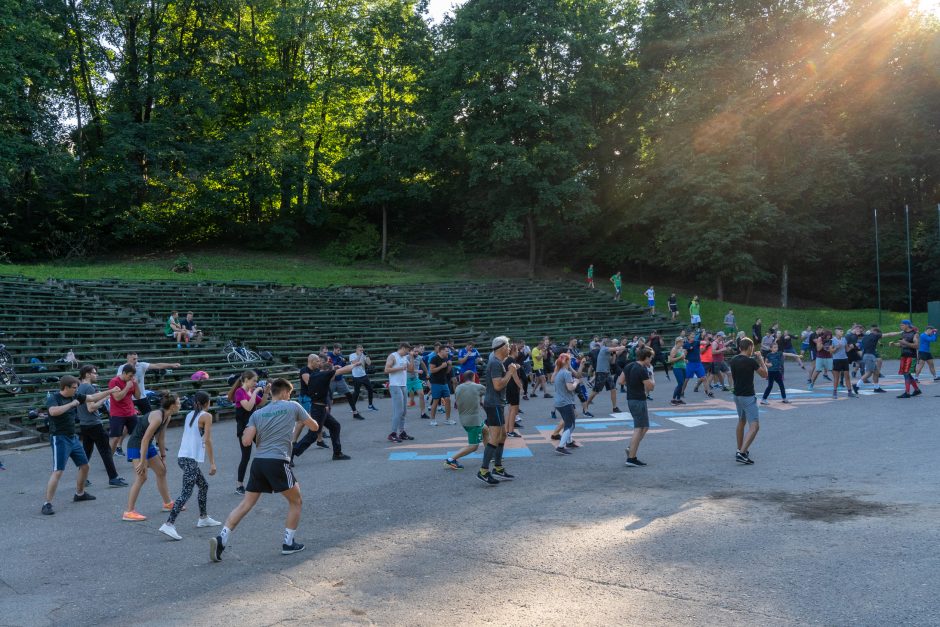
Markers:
<point>453,463</point>
<point>588,414</point>
<point>809,386</point>
<point>747,456</point>
<point>393,437</point>
<point>936,378</point>
<point>47,509</point>
<point>119,452</point>
<point>513,434</point>
<point>323,444</point>
<point>572,444</point>
<point>743,458</point>
<point>707,393</point>
<point>855,388</point>
<point>916,392</point>
<point>441,410</point>
<point>548,396</point>
<point>682,402</point>
<point>133,516</point>
<point>615,410</point>
<point>410,404</point>
<point>450,422</point>
<point>905,395</point>
<point>374,408</point>
<point>785,401</point>
<point>519,424</point>
<point>208,522</point>
<point>404,436</point>
<point>358,416</point>
<point>562,450</point>
<point>167,507</point>
<point>725,388</point>
<point>215,549</point>
<point>84,496</point>
<point>117,482</point>
<point>633,462</point>
<point>525,397</point>
<point>341,457</point>
<point>764,402</point>
<point>433,423</point>
<point>290,549</point>
<point>486,478</point>
<point>425,417</point>
<point>879,391</point>
<point>240,490</point>
<point>500,473</point>
<point>673,402</point>
<point>169,530</point>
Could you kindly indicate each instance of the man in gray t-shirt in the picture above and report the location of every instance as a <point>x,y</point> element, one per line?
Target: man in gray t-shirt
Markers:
<point>602,378</point>
<point>274,429</point>
<point>89,423</point>
<point>497,377</point>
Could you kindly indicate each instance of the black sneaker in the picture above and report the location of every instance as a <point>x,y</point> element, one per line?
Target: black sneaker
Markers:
<point>47,509</point>
<point>740,457</point>
<point>673,402</point>
<point>356,416</point>
<point>393,437</point>
<point>633,462</point>
<point>404,436</point>
<point>215,549</point>
<point>615,410</point>
<point>548,396</point>
<point>240,490</point>
<point>747,456</point>
<point>425,417</point>
<point>588,414</point>
<point>879,391</point>
<point>340,456</point>
<point>290,549</point>
<point>486,478</point>
<point>513,434</point>
<point>84,496</point>
<point>855,388</point>
<point>323,444</point>
<point>572,444</point>
<point>500,473</point>
<point>905,395</point>
<point>916,392</point>
<point>562,450</point>
<point>119,452</point>
<point>117,482</point>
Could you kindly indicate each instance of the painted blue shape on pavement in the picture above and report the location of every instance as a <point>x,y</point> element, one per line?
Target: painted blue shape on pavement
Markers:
<point>409,456</point>
<point>695,412</point>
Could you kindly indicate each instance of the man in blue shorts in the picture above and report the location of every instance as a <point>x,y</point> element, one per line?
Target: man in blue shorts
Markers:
<point>693,359</point>
<point>440,367</point>
<point>63,413</point>
<point>743,367</point>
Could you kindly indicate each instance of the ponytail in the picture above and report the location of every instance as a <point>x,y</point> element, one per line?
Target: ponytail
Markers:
<point>167,400</point>
<point>246,375</point>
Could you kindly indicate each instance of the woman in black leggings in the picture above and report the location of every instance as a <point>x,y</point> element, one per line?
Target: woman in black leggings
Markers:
<point>247,397</point>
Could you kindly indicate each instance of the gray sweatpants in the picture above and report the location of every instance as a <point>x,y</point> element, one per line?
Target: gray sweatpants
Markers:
<point>399,407</point>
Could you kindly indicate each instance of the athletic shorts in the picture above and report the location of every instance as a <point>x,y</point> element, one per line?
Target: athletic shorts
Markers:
<point>474,435</point>
<point>721,366</point>
<point>117,424</point>
<point>790,351</point>
<point>854,357</point>
<point>415,385</point>
<point>270,475</point>
<point>694,368</point>
<point>840,365</point>
<point>709,367</point>
<point>869,362</point>
<point>650,303</point>
<point>65,447</point>
<point>603,381</point>
<point>538,372</point>
<point>673,308</point>
<point>747,408</point>
<point>134,453</point>
<point>805,346</point>
<point>824,363</point>
<point>640,413</point>
<point>337,388</point>
<point>906,363</point>
<point>924,356</point>
<point>696,319</point>
<point>513,396</point>
<point>494,416</point>
<point>440,390</point>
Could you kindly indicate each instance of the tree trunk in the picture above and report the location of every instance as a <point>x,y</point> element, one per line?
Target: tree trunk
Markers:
<point>784,285</point>
<point>533,247</point>
<point>719,288</point>
<point>384,231</point>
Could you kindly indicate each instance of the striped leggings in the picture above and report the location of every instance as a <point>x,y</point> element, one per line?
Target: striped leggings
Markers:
<point>192,476</point>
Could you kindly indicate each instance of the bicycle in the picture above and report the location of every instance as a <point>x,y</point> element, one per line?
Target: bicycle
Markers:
<point>235,354</point>
<point>9,380</point>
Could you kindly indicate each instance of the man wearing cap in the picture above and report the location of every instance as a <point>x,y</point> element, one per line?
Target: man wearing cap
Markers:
<point>909,344</point>
<point>494,399</point>
<point>924,356</point>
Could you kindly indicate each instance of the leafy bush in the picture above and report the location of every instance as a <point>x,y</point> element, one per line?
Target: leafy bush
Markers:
<point>182,265</point>
<point>358,239</point>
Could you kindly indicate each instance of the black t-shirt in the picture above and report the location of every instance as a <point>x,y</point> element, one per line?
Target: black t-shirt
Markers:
<point>851,339</point>
<point>63,424</point>
<point>303,386</point>
<point>319,386</point>
<point>756,333</point>
<point>785,343</point>
<point>742,373</point>
<point>656,343</point>
<point>870,343</point>
<point>439,377</point>
<point>909,336</point>
<point>636,374</point>
<point>511,386</point>
<point>188,324</point>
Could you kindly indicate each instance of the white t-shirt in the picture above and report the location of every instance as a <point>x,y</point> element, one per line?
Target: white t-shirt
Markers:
<point>399,378</point>
<point>650,294</point>
<point>358,363</point>
<point>141,367</point>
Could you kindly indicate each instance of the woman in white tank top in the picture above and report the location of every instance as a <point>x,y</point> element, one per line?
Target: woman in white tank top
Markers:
<point>195,445</point>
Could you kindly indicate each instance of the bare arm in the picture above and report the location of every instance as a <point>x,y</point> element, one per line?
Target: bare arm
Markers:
<point>127,389</point>
<point>762,367</point>
<point>163,366</point>
<point>205,421</point>
<point>502,382</point>
<point>390,366</point>
<point>248,435</point>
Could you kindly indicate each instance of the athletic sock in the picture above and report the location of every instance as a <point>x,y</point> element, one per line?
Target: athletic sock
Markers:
<point>498,460</point>
<point>488,452</point>
<point>224,535</point>
<point>289,536</point>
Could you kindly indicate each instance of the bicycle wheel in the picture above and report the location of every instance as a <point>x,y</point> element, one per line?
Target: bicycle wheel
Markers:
<point>251,355</point>
<point>9,378</point>
<point>234,358</point>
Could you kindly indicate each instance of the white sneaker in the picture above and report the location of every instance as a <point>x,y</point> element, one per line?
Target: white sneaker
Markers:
<point>433,423</point>
<point>450,422</point>
<point>208,522</point>
<point>170,530</point>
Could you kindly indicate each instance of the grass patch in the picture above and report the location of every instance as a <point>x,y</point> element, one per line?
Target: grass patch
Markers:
<point>213,266</point>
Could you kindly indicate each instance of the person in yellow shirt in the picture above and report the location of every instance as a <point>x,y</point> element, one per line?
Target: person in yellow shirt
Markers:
<point>538,369</point>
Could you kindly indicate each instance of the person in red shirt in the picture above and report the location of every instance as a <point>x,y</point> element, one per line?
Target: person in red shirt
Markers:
<point>122,413</point>
<point>705,346</point>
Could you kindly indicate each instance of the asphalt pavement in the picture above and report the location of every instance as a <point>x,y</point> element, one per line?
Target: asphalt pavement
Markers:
<point>834,524</point>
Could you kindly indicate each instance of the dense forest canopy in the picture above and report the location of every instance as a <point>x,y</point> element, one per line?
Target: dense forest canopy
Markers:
<point>733,142</point>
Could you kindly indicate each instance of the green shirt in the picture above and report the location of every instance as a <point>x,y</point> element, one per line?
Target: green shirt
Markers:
<point>168,329</point>
<point>591,272</point>
<point>616,280</point>
<point>695,309</point>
